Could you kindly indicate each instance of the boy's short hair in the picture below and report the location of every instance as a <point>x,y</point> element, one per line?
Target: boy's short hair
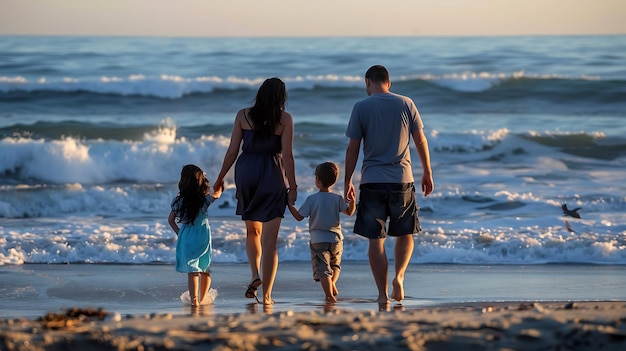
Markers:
<point>327,173</point>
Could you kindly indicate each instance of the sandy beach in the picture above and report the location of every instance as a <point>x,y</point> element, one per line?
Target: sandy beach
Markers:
<point>448,307</point>
<point>503,326</point>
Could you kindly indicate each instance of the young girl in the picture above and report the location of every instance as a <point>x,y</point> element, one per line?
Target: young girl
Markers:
<point>193,249</point>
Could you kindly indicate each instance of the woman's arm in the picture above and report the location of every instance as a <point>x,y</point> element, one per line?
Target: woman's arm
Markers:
<point>287,151</point>
<point>231,153</point>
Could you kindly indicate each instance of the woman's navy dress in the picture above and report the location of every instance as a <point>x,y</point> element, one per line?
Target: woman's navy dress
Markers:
<point>259,177</point>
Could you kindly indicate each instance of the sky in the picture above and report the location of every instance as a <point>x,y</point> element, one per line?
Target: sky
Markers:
<point>317,18</point>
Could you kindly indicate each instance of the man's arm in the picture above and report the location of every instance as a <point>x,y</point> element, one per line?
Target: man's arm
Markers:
<point>421,144</point>
<point>352,156</point>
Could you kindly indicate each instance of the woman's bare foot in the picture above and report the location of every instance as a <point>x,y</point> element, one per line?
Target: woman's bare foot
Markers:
<point>331,299</point>
<point>383,299</point>
<point>335,291</point>
<point>194,302</point>
<point>397,293</point>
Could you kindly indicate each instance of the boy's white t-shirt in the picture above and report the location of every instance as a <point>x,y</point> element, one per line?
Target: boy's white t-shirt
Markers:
<point>323,210</point>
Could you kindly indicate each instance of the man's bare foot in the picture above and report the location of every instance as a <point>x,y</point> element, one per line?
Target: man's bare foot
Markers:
<point>397,292</point>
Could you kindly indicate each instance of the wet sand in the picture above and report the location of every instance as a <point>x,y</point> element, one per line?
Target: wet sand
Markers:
<point>447,307</point>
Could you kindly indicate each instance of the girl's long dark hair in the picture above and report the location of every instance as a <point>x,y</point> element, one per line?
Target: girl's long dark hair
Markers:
<point>268,106</point>
<point>193,187</point>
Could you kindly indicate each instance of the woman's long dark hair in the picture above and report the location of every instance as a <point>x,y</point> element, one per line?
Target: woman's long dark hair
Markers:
<point>193,187</point>
<point>268,106</point>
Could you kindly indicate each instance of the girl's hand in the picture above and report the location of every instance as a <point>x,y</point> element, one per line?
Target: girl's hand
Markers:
<point>217,193</point>
<point>218,187</point>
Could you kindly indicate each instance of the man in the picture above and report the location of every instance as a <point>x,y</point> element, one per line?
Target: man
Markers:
<point>386,122</point>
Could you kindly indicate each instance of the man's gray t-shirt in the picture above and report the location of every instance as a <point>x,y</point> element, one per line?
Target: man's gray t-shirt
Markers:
<point>323,210</point>
<point>385,123</point>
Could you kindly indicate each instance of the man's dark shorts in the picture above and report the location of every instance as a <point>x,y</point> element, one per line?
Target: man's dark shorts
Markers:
<point>379,202</point>
<point>326,259</point>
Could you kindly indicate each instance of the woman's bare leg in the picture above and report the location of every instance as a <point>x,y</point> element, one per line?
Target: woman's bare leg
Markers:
<point>253,247</point>
<point>269,261</point>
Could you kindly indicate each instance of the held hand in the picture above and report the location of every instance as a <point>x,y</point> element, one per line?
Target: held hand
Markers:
<point>217,193</point>
<point>349,193</point>
<point>292,196</point>
<point>218,186</point>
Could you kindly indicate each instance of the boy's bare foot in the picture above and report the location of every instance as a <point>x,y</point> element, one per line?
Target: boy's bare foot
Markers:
<point>397,292</point>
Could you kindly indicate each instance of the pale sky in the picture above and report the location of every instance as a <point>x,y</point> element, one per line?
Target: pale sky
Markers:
<point>228,18</point>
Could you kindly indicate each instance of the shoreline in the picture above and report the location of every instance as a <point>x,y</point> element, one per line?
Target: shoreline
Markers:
<point>465,326</point>
<point>32,290</point>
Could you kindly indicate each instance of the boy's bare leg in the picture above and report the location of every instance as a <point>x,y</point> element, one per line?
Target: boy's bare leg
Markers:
<point>327,286</point>
<point>334,282</point>
<point>253,247</point>
<point>402,257</point>
<point>192,285</point>
<point>205,285</point>
<point>379,265</point>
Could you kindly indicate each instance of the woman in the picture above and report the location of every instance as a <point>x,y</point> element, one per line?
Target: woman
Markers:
<point>266,130</point>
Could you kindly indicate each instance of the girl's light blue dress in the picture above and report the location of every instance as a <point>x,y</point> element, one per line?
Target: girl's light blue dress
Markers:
<point>193,249</point>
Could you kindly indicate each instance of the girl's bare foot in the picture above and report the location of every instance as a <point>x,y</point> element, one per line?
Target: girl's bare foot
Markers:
<point>397,293</point>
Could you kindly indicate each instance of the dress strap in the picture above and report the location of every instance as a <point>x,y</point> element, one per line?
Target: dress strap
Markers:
<point>247,120</point>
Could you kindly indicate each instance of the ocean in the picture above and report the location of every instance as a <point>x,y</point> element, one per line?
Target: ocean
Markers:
<point>94,132</point>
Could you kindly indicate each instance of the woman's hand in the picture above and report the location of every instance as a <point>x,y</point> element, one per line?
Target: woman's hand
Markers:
<point>292,196</point>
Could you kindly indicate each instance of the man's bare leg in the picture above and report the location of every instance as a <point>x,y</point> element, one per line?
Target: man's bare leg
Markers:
<point>379,265</point>
<point>402,256</point>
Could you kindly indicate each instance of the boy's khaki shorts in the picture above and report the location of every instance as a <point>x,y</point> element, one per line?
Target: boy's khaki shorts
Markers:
<point>325,259</point>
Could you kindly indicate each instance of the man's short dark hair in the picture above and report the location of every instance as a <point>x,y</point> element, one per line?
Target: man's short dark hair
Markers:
<point>377,74</point>
<point>327,173</point>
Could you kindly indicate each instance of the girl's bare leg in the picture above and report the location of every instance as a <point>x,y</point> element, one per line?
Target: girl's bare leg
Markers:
<point>269,262</point>
<point>253,247</point>
<point>192,285</point>
<point>205,285</point>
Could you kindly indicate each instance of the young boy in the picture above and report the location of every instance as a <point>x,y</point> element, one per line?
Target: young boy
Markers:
<point>326,244</point>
